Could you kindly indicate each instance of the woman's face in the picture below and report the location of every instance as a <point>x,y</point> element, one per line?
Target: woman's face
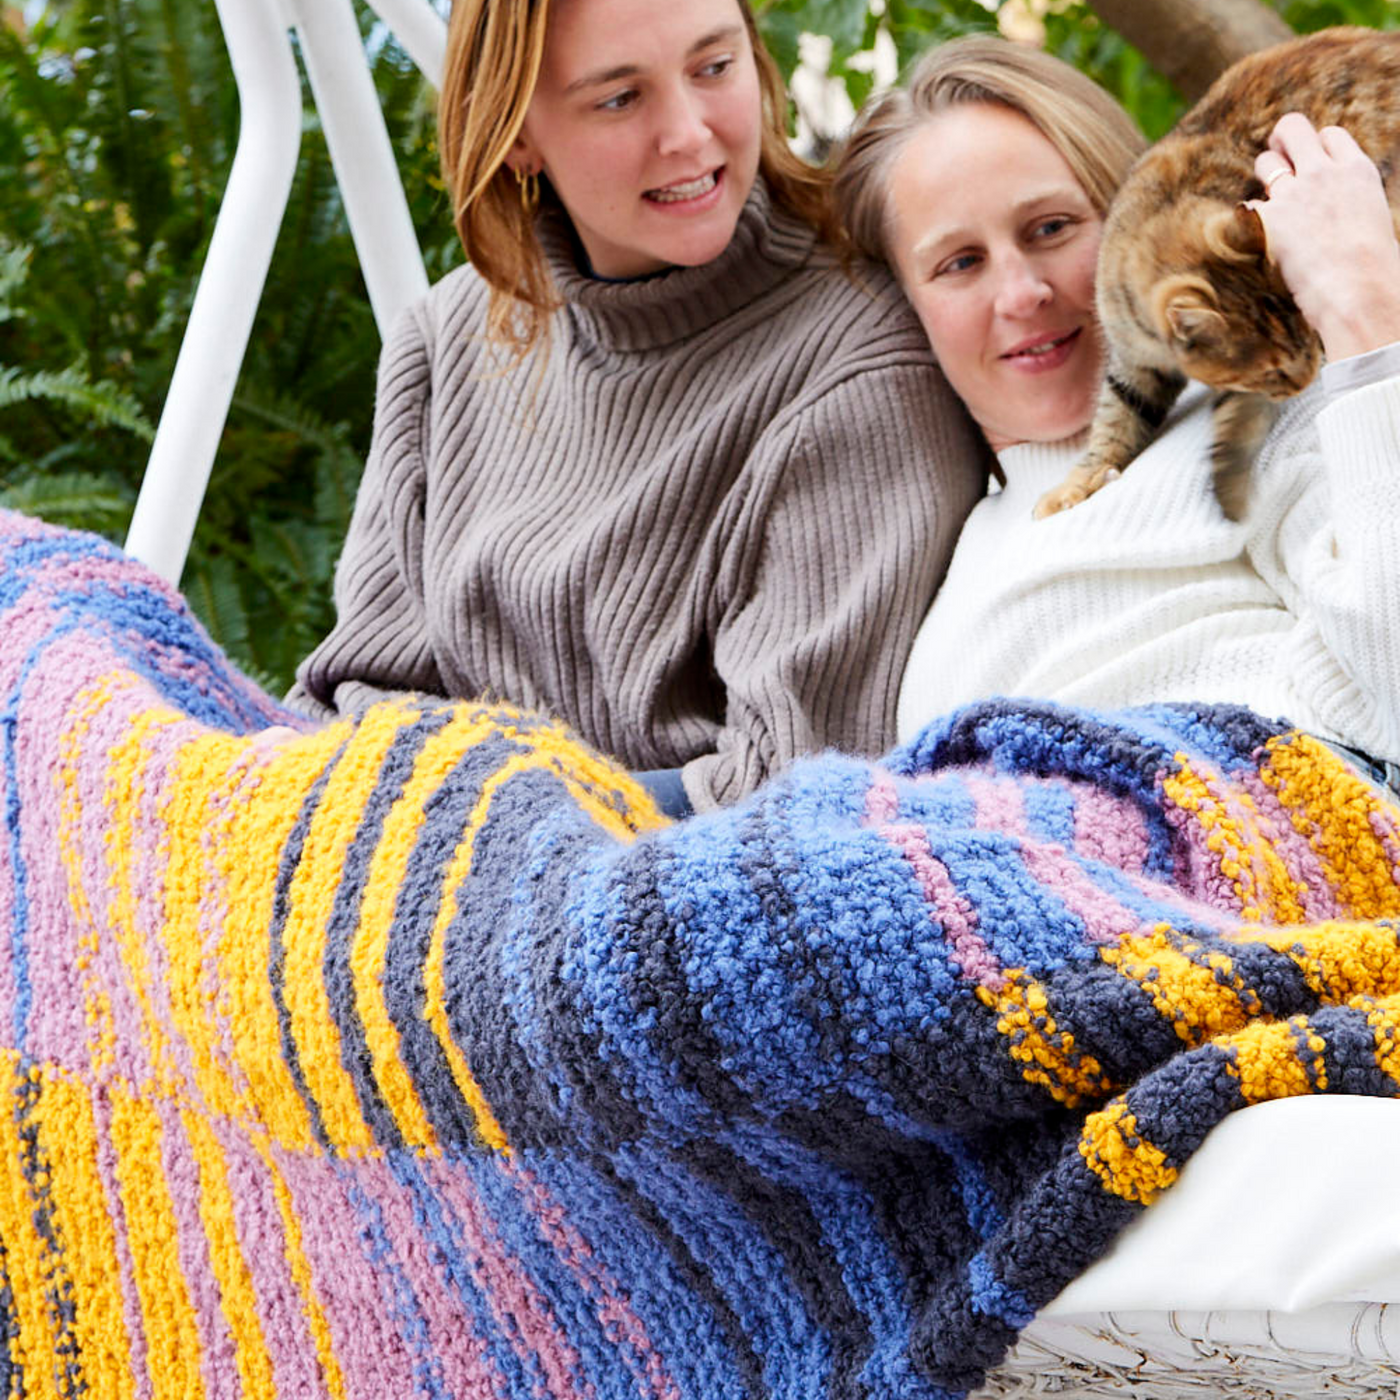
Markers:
<point>994,242</point>
<point>647,120</point>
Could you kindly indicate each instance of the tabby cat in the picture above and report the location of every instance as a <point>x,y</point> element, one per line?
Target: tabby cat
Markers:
<point>1185,285</point>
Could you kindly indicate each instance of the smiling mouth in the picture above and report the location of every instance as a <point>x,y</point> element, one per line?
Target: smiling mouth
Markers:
<point>1041,348</point>
<point>690,189</point>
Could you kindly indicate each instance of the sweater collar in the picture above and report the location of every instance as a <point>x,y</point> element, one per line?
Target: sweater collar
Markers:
<point>1031,468</point>
<point>768,245</point>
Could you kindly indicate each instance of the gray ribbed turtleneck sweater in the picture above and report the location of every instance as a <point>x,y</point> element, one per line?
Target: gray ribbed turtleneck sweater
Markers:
<point>704,531</point>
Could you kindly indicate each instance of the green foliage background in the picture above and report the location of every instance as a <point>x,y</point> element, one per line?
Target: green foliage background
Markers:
<point>118,120</point>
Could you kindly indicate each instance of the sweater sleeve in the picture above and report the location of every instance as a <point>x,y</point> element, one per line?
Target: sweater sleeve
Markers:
<point>380,644</point>
<point>1329,526</point>
<point>857,500</point>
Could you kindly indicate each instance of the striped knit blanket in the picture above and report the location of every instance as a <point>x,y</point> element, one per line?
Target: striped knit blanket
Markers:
<point>416,1056</point>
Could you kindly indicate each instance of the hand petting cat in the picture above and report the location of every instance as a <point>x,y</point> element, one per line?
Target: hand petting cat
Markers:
<point>1330,232</point>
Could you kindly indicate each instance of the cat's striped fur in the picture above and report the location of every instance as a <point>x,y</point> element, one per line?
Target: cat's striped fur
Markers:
<point>1185,286</point>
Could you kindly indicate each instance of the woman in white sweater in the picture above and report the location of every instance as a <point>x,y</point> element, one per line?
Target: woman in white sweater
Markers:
<point>983,185</point>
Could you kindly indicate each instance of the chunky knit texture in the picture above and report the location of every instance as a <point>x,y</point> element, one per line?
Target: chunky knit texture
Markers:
<point>703,531</point>
<point>1145,592</point>
<point>387,1058</point>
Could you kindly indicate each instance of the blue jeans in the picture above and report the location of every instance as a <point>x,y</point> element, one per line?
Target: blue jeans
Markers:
<point>667,790</point>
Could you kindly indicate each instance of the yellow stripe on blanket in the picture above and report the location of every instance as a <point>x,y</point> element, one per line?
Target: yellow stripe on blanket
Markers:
<point>1339,959</point>
<point>200,819</point>
<point>237,1297</point>
<point>27,1257</point>
<point>369,954</point>
<point>1333,808</point>
<point>173,1352</point>
<point>1231,837</point>
<point>1048,1054</point>
<point>247,863</point>
<point>1383,1017</point>
<point>434,975</point>
<point>83,1223</point>
<point>128,775</point>
<point>1278,1060</point>
<point>1116,1152</point>
<point>1196,989</point>
<point>312,898</point>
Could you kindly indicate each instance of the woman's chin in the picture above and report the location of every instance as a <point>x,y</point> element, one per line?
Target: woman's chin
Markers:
<point>1071,431</point>
<point>1060,423</point>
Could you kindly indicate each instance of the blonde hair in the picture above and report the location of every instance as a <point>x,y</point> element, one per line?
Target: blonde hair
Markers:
<point>1096,137</point>
<point>494,52</point>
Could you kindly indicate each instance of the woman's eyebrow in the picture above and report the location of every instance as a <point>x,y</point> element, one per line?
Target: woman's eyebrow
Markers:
<point>630,70</point>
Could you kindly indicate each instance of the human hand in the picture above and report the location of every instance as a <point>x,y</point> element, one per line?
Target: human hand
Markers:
<point>1331,233</point>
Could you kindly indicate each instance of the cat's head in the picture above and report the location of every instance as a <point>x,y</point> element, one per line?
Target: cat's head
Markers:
<point>1225,313</point>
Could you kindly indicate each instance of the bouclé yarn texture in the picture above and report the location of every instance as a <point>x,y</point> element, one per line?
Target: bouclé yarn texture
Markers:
<point>415,1055</point>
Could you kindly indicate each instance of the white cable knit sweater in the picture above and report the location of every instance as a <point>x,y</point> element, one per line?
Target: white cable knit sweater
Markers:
<point>1146,593</point>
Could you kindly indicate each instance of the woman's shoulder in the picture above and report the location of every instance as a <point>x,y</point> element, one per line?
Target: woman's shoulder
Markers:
<point>861,306</point>
<point>460,295</point>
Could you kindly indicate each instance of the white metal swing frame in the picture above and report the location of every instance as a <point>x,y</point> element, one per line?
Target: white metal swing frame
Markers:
<point>263,39</point>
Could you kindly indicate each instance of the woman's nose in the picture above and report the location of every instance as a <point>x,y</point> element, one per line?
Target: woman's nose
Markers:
<point>682,124</point>
<point>1022,289</point>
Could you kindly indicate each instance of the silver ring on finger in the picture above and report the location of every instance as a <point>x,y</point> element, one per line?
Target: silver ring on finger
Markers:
<point>1271,179</point>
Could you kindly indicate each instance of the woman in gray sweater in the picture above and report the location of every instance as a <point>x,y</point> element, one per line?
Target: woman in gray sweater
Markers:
<point>653,461</point>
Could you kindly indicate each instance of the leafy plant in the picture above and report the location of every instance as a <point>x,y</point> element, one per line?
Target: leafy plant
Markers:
<point>118,123</point>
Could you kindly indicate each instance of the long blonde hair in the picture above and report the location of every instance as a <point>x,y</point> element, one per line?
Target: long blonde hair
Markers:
<point>1096,137</point>
<point>494,52</point>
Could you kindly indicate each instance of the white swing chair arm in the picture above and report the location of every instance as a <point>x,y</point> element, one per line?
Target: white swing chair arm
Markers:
<point>258,35</point>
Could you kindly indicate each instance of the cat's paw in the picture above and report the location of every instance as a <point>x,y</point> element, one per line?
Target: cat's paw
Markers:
<point>1058,498</point>
<point>1070,492</point>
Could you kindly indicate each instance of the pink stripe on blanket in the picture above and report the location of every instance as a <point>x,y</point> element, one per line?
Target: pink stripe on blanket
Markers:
<point>1109,828</point>
<point>524,1317</point>
<point>63,574</point>
<point>1310,887</point>
<point>262,1242</point>
<point>122,875</point>
<point>998,804</point>
<point>881,800</point>
<point>73,955</point>
<point>616,1313</point>
<point>180,1169</point>
<point>354,1292</point>
<point>1385,822</point>
<point>947,908</point>
<point>451,1341</point>
<point>1105,919</point>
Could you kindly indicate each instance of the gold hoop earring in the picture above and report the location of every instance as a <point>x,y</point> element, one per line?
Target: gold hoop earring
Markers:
<point>529,182</point>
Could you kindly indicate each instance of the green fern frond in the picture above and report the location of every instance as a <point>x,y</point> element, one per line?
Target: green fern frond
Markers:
<point>295,551</point>
<point>337,482</point>
<point>212,588</point>
<point>285,413</point>
<point>14,270</point>
<point>82,500</point>
<point>99,400</point>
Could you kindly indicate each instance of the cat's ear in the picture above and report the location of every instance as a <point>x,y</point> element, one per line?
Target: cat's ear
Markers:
<point>1236,235</point>
<point>1190,324</point>
<point>1186,309</point>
